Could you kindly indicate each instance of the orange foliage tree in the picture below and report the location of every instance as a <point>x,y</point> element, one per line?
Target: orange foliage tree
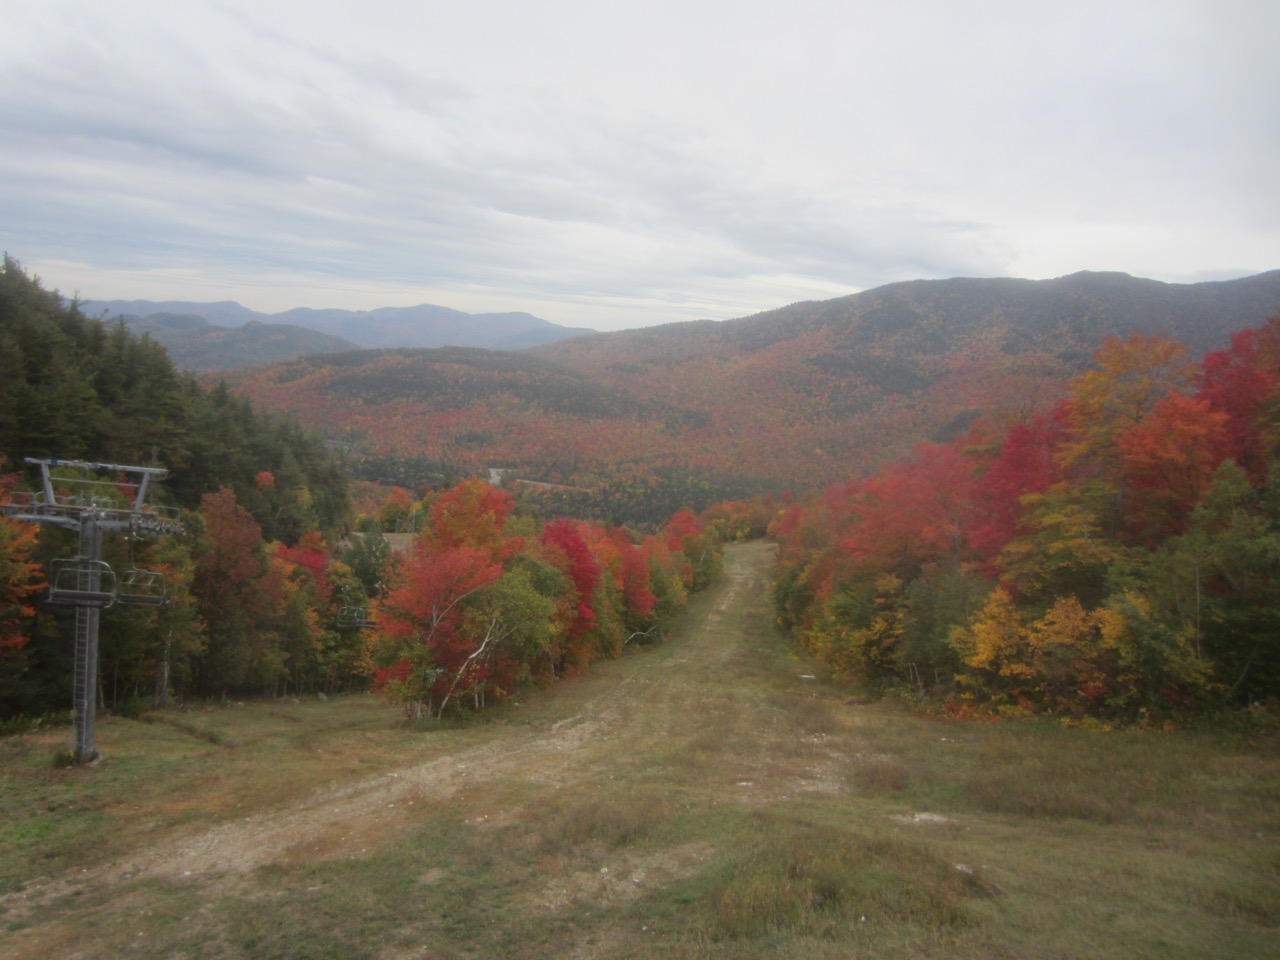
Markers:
<point>488,600</point>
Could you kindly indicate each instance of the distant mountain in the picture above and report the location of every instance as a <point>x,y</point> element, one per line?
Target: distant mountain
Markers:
<point>429,326</point>
<point>797,397</point>
<point>905,322</point>
<point>1082,308</point>
<point>193,343</point>
<point>224,313</point>
<point>421,326</point>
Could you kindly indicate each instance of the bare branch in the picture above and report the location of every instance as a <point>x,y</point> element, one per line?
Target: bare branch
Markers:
<point>496,632</point>
<point>641,633</point>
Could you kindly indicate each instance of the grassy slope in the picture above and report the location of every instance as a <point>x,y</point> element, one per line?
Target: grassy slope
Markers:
<point>699,799</point>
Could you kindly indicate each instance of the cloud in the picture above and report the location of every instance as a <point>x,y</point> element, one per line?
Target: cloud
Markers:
<point>609,165</point>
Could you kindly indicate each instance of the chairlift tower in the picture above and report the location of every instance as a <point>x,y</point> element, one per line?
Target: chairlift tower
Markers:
<point>93,507</point>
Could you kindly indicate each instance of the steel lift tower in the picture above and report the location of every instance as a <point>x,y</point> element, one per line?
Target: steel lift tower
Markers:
<point>75,496</point>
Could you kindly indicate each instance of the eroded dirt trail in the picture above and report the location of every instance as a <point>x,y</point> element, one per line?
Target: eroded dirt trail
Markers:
<point>672,697</point>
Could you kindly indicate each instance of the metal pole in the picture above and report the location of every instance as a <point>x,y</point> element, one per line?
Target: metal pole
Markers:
<point>85,682</point>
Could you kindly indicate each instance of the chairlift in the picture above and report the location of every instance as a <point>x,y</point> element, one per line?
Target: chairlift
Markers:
<point>354,618</point>
<point>79,582</point>
<point>143,587</point>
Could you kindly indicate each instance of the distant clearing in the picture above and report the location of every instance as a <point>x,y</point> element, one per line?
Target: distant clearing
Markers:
<point>707,797</point>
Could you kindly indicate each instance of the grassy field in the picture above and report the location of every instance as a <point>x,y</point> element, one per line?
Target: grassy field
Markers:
<point>700,799</point>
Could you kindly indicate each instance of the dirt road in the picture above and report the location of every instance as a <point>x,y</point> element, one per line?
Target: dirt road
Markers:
<point>692,719</point>
<point>671,697</point>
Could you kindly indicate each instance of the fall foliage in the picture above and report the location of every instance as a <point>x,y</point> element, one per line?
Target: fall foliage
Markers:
<point>1117,559</point>
<point>485,603</point>
<point>1115,555</point>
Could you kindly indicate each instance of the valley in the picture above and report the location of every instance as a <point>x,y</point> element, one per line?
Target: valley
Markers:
<point>793,399</point>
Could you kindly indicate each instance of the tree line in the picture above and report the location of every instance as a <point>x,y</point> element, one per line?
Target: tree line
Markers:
<point>1117,557</point>
<point>491,598</point>
<point>75,387</point>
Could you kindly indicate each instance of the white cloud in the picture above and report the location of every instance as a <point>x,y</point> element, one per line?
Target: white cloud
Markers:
<point>615,164</point>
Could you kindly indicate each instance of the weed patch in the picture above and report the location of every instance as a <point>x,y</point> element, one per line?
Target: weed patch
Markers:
<point>1043,771</point>
<point>607,820</point>
<point>798,878</point>
<point>197,730</point>
<point>879,775</point>
<point>809,714</point>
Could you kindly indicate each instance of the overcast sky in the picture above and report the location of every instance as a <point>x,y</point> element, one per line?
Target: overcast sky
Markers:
<point>611,164</point>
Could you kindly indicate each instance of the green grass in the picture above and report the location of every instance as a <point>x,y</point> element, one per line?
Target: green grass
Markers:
<point>696,799</point>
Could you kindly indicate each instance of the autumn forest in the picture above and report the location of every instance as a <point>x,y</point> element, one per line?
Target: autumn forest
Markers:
<point>276,587</point>
<point>1115,557</point>
<point>994,498</point>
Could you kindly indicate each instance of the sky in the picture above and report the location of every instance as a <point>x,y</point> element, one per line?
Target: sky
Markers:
<point>615,164</point>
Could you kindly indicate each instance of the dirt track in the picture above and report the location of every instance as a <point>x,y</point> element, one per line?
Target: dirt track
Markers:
<point>671,695</point>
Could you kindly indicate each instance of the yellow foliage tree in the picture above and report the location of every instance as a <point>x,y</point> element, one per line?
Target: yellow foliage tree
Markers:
<point>995,644</point>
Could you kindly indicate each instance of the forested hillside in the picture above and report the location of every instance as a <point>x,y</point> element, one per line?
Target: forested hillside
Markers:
<point>689,414</point>
<point>1115,557</point>
<point>77,388</point>
<point>267,593</point>
<point>1086,530</point>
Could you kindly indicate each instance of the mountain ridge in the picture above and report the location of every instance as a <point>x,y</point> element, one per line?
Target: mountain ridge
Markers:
<point>193,343</point>
<point>796,397</point>
<point>423,325</point>
<point>878,305</point>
